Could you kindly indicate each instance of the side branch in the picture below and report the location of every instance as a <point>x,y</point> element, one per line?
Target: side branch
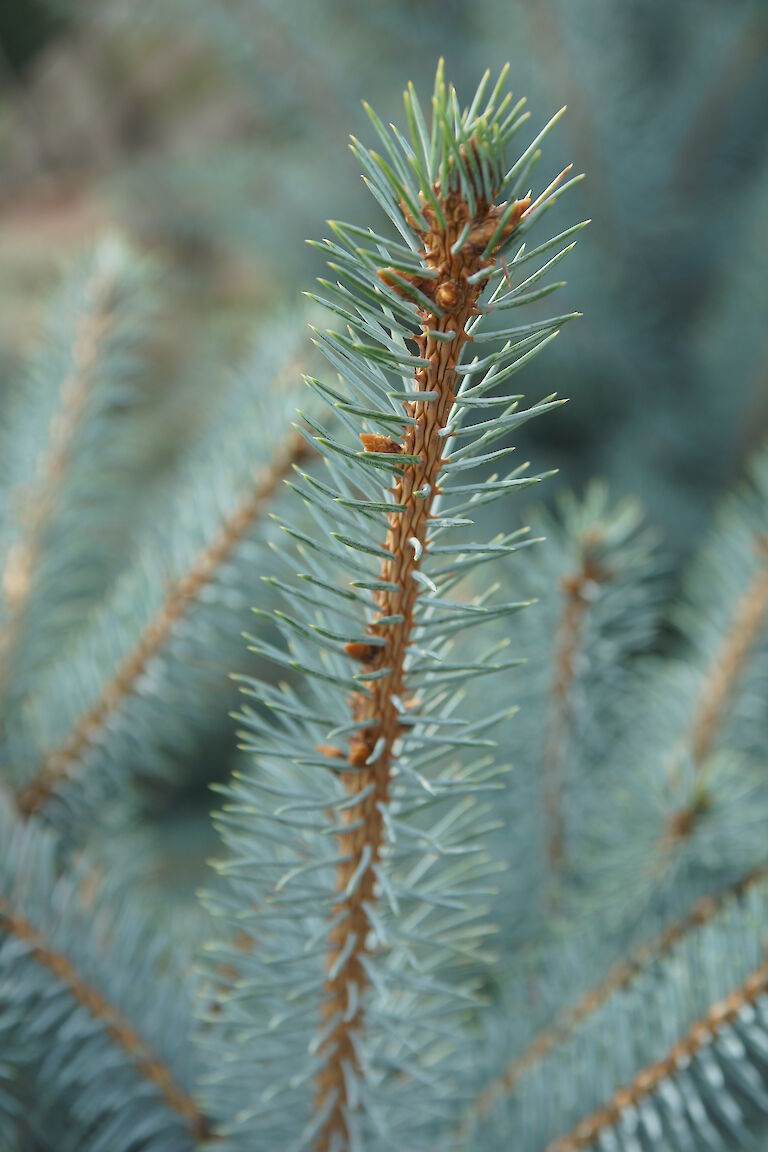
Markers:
<point>650,1078</point>
<point>148,1066</point>
<point>574,589</point>
<point>617,979</point>
<point>39,501</point>
<point>180,598</point>
<point>722,675</point>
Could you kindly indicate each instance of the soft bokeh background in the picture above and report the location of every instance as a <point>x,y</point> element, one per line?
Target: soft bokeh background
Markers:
<point>214,133</point>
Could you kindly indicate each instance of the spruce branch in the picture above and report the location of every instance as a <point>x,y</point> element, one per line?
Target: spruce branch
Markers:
<point>92,1015</point>
<point>596,583</point>
<point>718,826</point>
<point>749,620</point>
<point>620,977</point>
<point>693,806</point>
<point>147,676</point>
<point>104,319</point>
<point>577,591</point>
<point>737,556</point>
<point>181,596</point>
<point>121,1031</point>
<point>40,497</point>
<point>449,300</point>
<point>357,859</point>
<point>722,1018</point>
<point>689,1004</point>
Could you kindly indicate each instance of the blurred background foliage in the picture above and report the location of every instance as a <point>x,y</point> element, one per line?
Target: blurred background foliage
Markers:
<point>213,133</point>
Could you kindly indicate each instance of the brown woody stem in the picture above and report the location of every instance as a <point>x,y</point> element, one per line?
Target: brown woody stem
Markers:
<point>372,752</point>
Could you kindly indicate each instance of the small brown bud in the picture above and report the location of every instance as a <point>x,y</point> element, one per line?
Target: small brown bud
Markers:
<point>477,239</point>
<point>359,650</point>
<point>375,442</point>
<point>358,753</point>
<point>447,295</point>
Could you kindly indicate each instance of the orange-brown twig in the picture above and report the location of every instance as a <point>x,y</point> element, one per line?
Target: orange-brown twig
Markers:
<point>371,752</point>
